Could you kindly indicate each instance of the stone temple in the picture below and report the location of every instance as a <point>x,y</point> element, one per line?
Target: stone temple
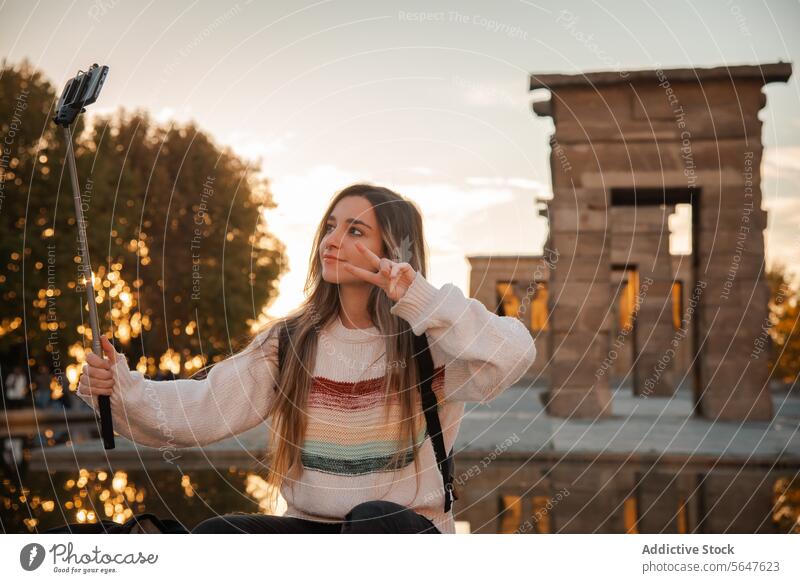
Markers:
<point>649,409</point>
<point>641,160</point>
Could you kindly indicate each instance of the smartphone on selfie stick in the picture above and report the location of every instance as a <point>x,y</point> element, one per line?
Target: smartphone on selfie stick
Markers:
<point>79,92</point>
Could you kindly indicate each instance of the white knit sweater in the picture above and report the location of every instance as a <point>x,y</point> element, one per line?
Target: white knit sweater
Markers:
<point>476,355</point>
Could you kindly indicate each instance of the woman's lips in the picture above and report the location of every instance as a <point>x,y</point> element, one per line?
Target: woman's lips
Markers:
<point>332,259</point>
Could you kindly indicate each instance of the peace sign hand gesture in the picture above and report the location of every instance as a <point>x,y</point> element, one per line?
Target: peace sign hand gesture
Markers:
<point>392,277</point>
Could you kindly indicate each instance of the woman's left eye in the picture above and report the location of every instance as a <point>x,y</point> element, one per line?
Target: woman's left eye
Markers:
<point>352,229</point>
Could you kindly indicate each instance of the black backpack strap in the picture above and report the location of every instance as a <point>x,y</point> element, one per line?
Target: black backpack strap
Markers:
<point>283,343</point>
<point>430,406</point>
<point>281,347</point>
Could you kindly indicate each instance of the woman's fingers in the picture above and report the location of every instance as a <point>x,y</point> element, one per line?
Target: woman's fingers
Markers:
<point>371,277</point>
<point>92,384</point>
<point>97,373</point>
<point>389,274</point>
<point>373,259</point>
<point>87,379</point>
<point>393,277</point>
<point>406,273</point>
<point>403,280</point>
<point>96,361</point>
<point>95,391</point>
<point>96,376</point>
<point>89,385</point>
<point>385,268</point>
<point>108,349</point>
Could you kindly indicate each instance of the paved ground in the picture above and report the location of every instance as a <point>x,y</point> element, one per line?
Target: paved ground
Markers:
<point>642,425</point>
<point>649,426</point>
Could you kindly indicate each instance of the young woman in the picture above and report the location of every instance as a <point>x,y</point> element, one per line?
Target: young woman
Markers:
<point>349,452</point>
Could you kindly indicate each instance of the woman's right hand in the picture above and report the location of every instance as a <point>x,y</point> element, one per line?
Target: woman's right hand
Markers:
<point>96,377</point>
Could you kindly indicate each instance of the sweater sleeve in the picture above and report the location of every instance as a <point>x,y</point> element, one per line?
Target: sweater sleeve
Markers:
<point>482,353</point>
<point>234,396</point>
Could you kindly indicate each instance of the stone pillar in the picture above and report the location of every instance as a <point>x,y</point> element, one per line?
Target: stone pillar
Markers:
<point>733,303</point>
<point>681,135</point>
<point>580,312</point>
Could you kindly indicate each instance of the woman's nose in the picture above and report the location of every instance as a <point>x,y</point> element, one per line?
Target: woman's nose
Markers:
<point>333,239</point>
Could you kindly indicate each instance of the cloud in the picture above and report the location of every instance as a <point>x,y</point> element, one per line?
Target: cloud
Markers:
<point>779,206</point>
<point>171,115</point>
<point>522,183</point>
<point>253,146</point>
<point>491,94</point>
<point>781,194</point>
<point>779,160</point>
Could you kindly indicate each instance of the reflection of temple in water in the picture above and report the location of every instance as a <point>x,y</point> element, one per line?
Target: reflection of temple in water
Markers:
<point>649,407</point>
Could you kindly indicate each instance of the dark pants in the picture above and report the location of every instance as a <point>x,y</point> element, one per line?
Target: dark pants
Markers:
<point>375,516</point>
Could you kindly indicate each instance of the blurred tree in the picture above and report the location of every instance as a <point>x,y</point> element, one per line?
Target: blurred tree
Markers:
<point>31,149</point>
<point>183,262</point>
<point>784,308</point>
<point>786,504</point>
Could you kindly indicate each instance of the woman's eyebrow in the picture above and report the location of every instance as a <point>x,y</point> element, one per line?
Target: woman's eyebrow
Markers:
<point>352,221</point>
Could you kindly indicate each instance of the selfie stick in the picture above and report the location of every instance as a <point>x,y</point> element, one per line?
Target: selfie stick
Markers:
<point>82,90</point>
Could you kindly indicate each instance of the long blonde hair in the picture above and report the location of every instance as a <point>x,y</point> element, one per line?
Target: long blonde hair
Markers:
<point>402,235</point>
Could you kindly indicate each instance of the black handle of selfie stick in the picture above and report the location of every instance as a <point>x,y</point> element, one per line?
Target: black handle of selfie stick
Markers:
<point>106,423</point>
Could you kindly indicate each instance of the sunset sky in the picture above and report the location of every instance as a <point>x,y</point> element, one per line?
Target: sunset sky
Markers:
<point>430,99</point>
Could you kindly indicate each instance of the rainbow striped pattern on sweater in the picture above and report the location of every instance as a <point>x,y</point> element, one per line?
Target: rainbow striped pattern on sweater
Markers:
<point>348,433</point>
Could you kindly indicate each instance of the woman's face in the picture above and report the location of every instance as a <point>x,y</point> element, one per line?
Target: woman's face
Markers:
<point>352,219</point>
